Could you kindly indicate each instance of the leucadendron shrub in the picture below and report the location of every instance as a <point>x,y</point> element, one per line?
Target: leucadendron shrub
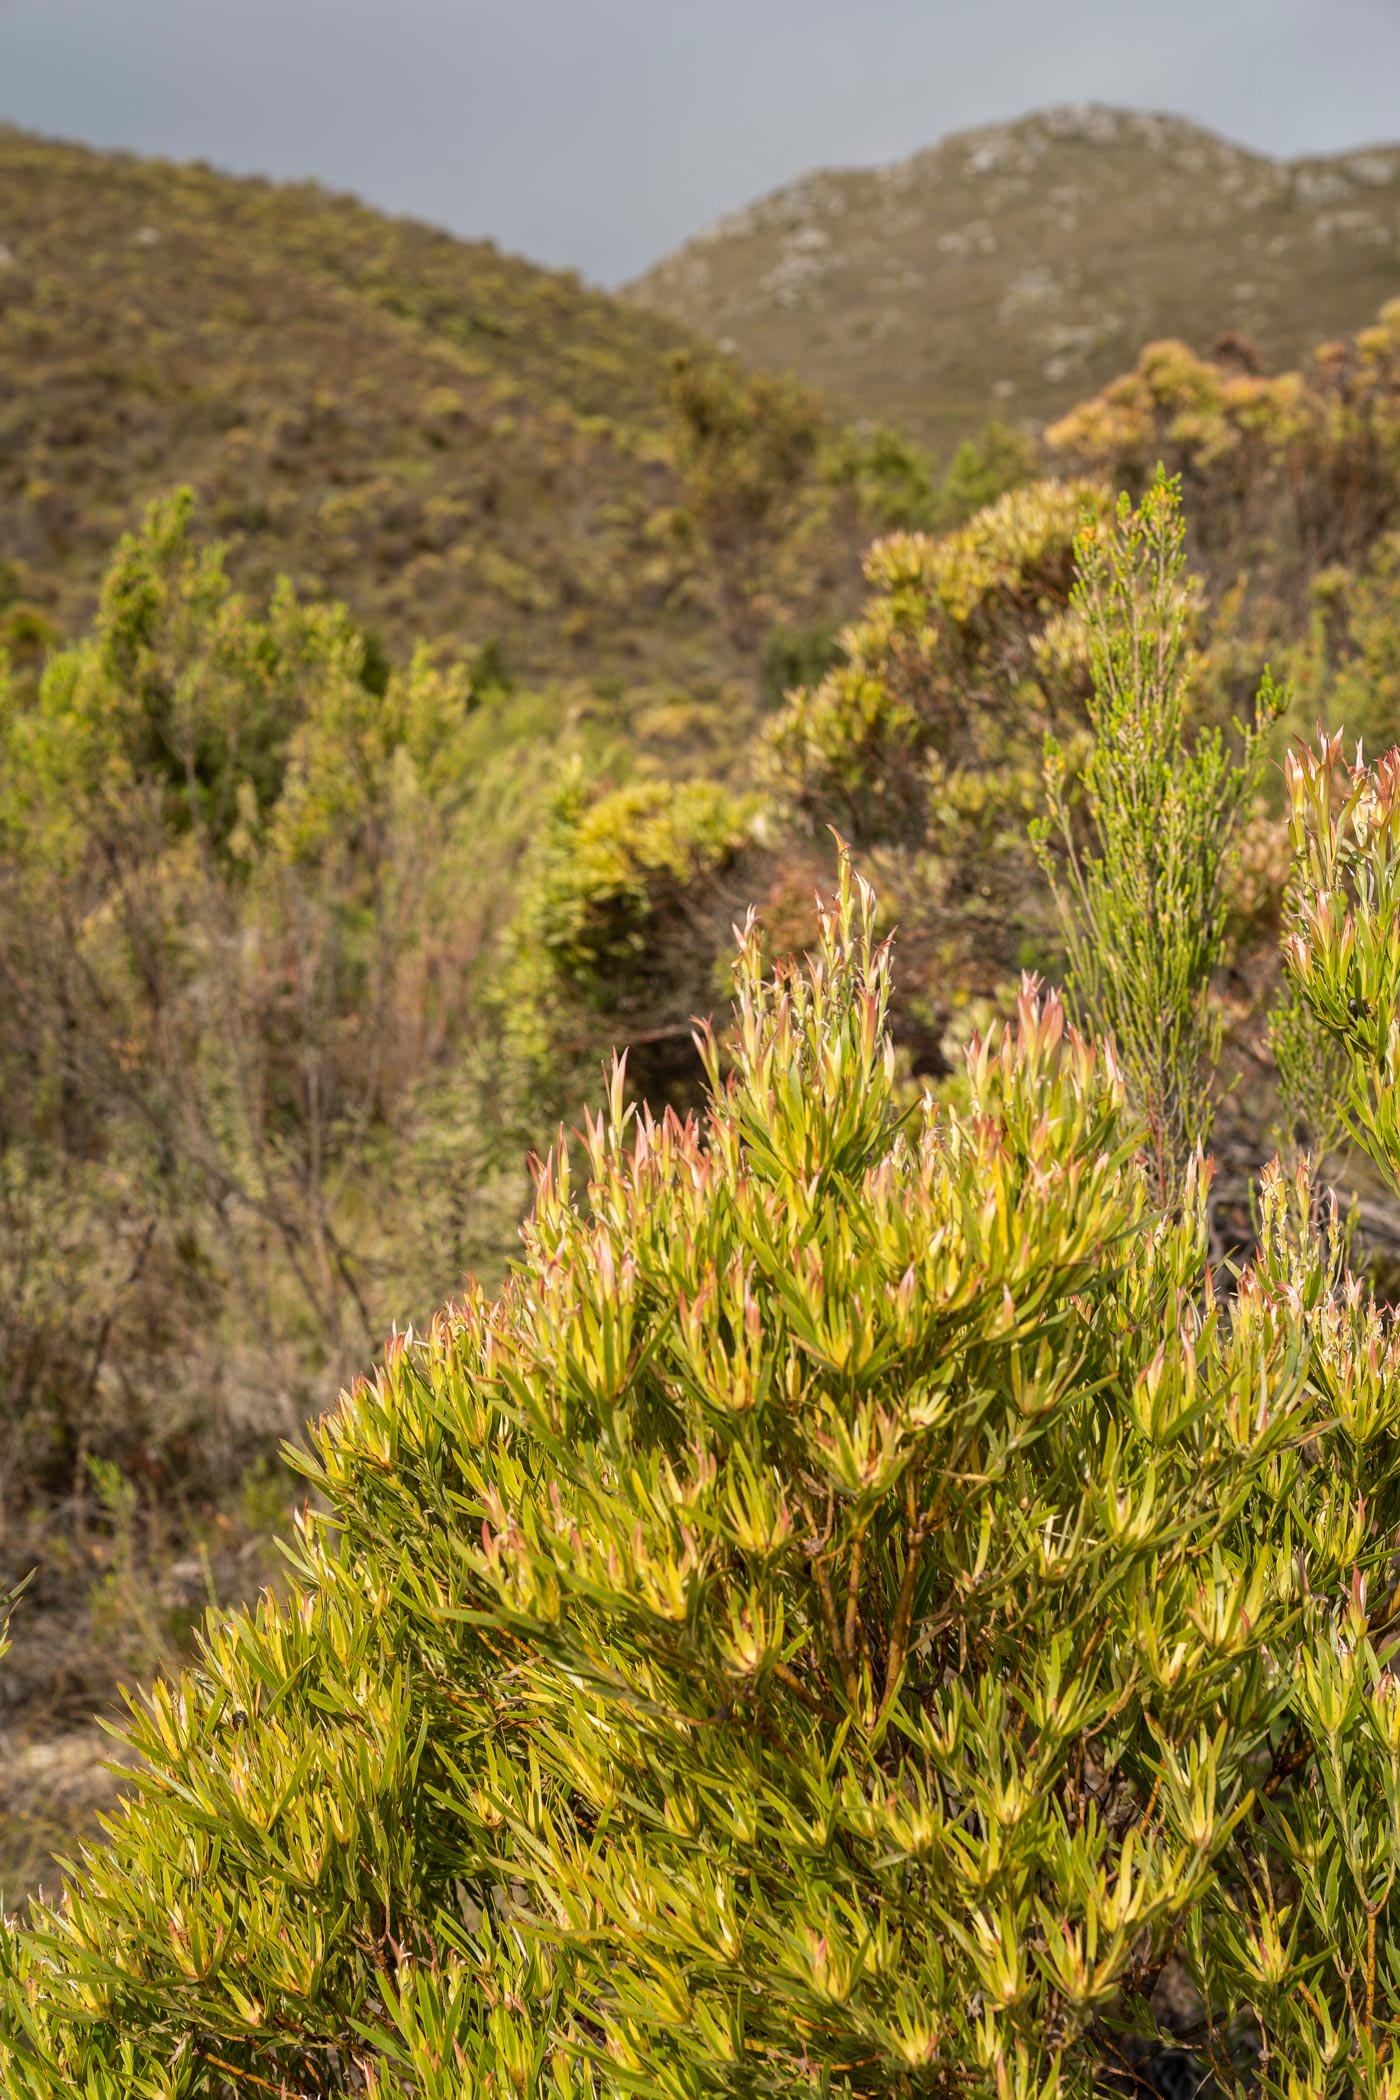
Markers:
<point>854,1610</point>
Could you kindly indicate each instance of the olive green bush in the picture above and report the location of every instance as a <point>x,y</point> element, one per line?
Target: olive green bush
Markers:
<point>238,928</point>
<point>853,1611</point>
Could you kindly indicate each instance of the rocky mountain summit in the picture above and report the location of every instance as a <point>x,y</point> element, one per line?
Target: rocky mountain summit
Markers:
<point>1009,270</point>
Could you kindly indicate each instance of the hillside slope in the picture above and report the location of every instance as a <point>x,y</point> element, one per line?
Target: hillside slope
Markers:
<point>462,446</point>
<point>1009,270</point>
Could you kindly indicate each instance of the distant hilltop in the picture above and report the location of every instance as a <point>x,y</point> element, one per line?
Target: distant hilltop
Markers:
<point>455,442</point>
<point>1010,270</point>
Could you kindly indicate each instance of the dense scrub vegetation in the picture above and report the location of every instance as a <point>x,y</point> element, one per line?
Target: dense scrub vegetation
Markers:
<point>345,930</point>
<point>859,1606</point>
<point>863,1559</point>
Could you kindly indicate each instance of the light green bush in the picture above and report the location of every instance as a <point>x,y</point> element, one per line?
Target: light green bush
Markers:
<point>851,1611</point>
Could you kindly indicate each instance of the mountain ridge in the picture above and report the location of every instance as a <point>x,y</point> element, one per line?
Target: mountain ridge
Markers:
<point>1010,269</point>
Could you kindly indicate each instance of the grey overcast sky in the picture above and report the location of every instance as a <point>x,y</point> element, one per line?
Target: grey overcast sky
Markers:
<point>598,133</point>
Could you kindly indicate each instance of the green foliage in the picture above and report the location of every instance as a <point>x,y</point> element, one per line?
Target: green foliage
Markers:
<point>857,1610</point>
<point>233,949</point>
<point>179,691</point>
<point>899,489</point>
<point>851,1611</point>
<point>894,480</point>
<point>959,634</point>
<point>1343,946</point>
<point>983,469</point>
<point>1143,901</point>
<point>620,858</point>
<point>622,914</point>
<point>922,745</point>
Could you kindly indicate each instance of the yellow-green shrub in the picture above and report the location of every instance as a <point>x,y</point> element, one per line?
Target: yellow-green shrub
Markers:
<point>623,914</point>
<point>1308,460</point>
<point>853,1608</point>
<point>947,658</point>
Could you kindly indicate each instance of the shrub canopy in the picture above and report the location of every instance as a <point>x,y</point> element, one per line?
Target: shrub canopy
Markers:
<point>854,1607</point>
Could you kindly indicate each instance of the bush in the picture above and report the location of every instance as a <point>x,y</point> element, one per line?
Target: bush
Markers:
<point>892,479</point>
<point>1306,461</point>
<point>958,634</point>
<point>898,491</point>
<point>852,1612</point>
<point>235,846</point>
<point>745,448</point>
<point>623,916</point>
<point>983,469</point>
<point>1143,899</point>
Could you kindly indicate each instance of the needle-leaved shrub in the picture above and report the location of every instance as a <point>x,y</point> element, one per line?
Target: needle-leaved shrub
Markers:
<point>853,1611</point>
<point>1142,881</point>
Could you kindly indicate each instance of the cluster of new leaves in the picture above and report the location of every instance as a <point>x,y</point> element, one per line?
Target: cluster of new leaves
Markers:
<point>1143,901</point>
<point>846,1615</point>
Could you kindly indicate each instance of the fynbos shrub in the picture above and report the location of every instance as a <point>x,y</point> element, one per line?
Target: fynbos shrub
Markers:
<point>848,1615</point>
<point>1143,897</point>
